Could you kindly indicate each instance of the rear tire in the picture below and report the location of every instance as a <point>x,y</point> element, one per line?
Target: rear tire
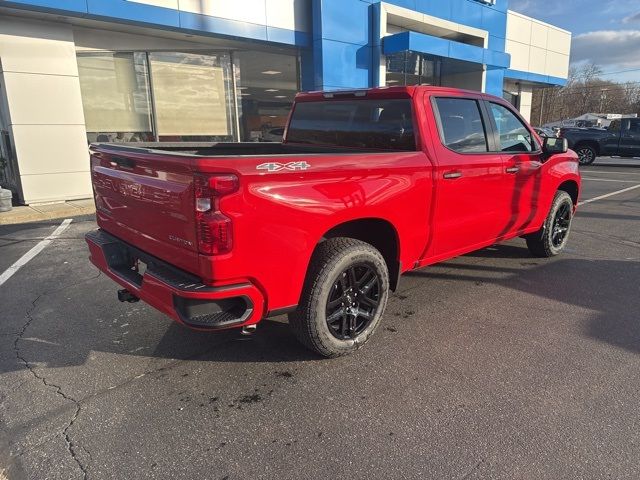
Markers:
<point>343,299</point>
<point>551,239</point>
<point>586,154</point>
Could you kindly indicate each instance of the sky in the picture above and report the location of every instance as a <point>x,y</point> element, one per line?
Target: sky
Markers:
<point>605,32</point>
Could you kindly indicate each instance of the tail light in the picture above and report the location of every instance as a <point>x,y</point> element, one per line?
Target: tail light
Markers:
<point>215,230</point>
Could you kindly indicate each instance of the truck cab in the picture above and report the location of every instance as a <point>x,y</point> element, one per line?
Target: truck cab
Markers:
<point>621,138</point>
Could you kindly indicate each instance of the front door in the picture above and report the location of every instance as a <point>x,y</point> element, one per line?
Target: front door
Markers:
<point>630,137</point>
<point>522,167</point>
<point>470,197</point>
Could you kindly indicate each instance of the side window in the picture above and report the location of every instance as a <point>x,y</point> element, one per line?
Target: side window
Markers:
<point>461,125</point>
<point>634,126</point>
<point>514,136</point>
<point>614,126</point>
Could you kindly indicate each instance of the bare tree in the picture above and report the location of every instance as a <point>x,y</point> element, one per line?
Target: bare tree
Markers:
<point>585,92</point>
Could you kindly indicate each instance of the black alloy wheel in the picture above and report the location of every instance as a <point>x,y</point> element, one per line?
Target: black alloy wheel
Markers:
<point>561,225</point>
<point>353,301</point>
<point>552,237</point>
<point>586,155</point>
<point>343,299</point>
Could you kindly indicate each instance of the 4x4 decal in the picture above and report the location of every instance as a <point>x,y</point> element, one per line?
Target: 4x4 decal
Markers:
<point>276,167</point>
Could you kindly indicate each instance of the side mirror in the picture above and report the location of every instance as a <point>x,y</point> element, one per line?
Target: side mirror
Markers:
<point>553,145</point>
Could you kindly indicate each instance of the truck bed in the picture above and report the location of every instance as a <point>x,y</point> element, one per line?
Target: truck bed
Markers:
<point>228,149</point>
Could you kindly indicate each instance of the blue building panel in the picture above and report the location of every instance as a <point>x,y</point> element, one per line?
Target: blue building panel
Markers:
<point>497,43</point>
<point>494,21</point>
<point>222,26</point>
<point>73,6</point>
<point>467,12</point>
<point>496,58</point>
<point>334,27</point>
<point>422,43</point>
<point>344,65</point>
<point>123,11</point>
<point>435,8</point>
<point>494,81</point>
<point>307,70</point>
<point>289,37</point>
<point>535,78</point>
<point>468,53</point>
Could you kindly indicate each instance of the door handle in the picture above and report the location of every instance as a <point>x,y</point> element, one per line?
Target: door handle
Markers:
<point>512,169</point>
<point>452,175</point>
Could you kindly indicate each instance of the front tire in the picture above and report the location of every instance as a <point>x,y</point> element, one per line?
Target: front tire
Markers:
<point>551,239</point>
<point>343,299</point>
<point>586,154</point>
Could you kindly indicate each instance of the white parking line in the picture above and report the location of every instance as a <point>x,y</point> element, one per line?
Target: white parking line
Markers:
<point>607,172</point>
<point>628,189</point>
<point>23,260</point>
<point>609,180</point>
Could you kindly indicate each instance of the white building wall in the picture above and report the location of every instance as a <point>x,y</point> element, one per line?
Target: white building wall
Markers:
<point>287,14</point>
<point>45,116</point>
<point>537,47</point>
<point>526,96</point>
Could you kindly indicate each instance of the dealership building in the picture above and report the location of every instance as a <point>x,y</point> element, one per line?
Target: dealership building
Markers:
<point>77,71</point>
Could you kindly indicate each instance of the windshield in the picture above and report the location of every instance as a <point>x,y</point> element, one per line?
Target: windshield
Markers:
<point>369,123</point>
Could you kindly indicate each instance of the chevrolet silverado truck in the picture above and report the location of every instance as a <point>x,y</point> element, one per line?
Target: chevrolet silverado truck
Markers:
<point>620,139</point>
<point>365,186</point>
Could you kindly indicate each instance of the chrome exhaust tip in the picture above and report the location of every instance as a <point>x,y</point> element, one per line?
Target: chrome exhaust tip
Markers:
<point>248,329</point>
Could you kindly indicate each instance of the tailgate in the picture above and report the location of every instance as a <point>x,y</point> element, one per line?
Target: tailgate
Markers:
<point>147,199</point>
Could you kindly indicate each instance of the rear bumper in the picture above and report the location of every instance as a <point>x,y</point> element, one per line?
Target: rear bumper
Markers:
<point>174,292</point>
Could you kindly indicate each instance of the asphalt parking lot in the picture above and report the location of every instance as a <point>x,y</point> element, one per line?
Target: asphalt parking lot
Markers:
<point>493,365</point>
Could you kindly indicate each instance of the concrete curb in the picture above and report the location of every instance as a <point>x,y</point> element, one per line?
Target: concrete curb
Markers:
<point>38,213</point>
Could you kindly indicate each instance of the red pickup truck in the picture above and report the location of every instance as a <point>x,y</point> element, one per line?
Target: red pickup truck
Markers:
<point>365,186</point>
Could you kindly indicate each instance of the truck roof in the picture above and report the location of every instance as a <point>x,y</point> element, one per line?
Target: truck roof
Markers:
<point>385,92</point>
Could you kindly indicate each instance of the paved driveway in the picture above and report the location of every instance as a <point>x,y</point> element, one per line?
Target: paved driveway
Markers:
<point>493,365</point>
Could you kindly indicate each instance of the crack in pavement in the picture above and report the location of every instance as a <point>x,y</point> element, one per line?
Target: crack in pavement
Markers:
<point>474,468</point>
<point>71,446</point>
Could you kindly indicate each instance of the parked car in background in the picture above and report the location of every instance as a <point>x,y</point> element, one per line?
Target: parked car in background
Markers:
<point>544,132</point>
<point>366,186</point>
<point>273,135</point>
<point>622,138</point>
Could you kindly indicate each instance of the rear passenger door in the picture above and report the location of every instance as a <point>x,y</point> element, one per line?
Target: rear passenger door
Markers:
<point>521,156</point>
<point>470,197</point>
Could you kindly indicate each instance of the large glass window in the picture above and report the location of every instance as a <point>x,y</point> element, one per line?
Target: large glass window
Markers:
<point>634,126</point>
<point>514,136</point>
<point>192,95</point>
<point>266,85</point>
<point>115,96</point>
<point>410,68</point>
<point>461,125</point>
<point>377,124</point>
<point>180,96</point>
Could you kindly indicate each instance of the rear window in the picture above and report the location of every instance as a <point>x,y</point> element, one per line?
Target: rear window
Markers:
<point>376,124</point>
<point>461,127</point>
